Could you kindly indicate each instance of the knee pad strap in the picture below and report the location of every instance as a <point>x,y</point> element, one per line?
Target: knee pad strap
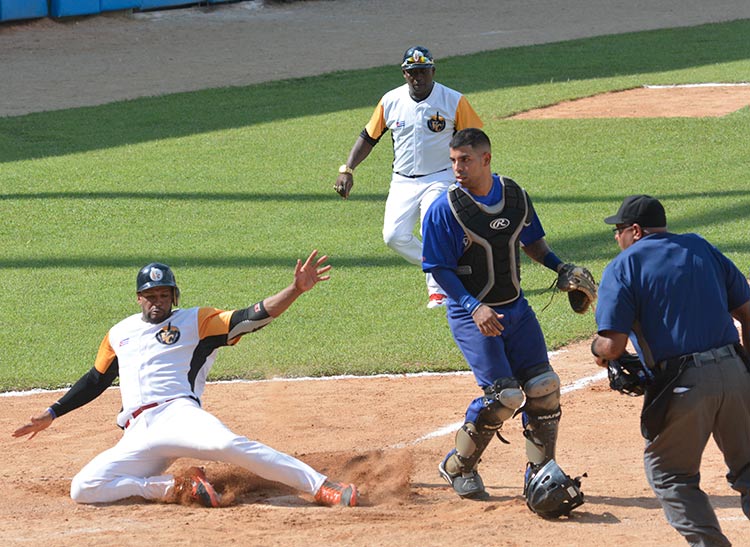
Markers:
<point>501,401</point>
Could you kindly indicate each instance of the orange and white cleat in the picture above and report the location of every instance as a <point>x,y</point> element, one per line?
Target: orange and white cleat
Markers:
<point>337,493</point>
<point>201,490</point>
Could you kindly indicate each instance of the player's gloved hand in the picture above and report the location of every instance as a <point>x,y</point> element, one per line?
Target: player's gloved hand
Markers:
<point>344,183</point>
<point>579,284</point>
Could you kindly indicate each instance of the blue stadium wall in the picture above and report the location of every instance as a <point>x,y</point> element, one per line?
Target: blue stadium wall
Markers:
<point>14,10</point>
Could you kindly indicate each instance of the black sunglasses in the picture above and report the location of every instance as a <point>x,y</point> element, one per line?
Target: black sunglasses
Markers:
<point>619,230</point>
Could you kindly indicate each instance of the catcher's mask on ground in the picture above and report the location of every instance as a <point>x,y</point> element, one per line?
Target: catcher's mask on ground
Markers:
<point>157,274</point>
<point>551,493</point>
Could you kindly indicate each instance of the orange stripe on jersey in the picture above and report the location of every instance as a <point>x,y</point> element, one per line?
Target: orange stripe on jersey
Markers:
<point>213,322</point>
<point>105,356</point>
<point>376,126</point>
<point>465,115</point>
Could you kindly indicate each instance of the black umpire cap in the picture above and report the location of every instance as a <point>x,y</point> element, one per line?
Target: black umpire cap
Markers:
<point>640,209</point>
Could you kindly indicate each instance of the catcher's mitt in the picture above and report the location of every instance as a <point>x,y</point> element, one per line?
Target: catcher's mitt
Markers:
<point>580,286</point>
<point>628,375</point>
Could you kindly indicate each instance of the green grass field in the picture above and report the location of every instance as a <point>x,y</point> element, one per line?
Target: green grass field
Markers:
<point>230,186</point>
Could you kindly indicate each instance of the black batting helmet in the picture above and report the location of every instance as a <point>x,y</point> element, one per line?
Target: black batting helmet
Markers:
<point>417,57</point>
<point>157,274</point>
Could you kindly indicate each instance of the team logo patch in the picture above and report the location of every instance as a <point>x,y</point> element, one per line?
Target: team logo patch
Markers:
<point>436,123</point>
<point>499,223</point>
<point>168,335</point>
<point>156,274</point>
<point>417,57</point>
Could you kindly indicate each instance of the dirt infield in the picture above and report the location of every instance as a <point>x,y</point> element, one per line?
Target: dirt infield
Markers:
<point>386,434</point>
<point>695,101</point>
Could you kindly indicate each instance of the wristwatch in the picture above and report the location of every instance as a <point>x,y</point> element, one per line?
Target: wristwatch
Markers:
<point>346,169</point>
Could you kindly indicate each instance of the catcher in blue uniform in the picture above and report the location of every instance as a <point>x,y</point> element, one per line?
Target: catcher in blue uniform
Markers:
<point>471,241</point>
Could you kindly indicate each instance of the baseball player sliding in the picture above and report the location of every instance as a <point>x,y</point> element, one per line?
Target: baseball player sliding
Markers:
<point>162,356</point>
<point>422,115</point>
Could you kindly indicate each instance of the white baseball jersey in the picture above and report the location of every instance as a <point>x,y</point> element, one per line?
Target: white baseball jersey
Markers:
<point>164,367</point>
<point>422,130</point>
<point>164,361</point>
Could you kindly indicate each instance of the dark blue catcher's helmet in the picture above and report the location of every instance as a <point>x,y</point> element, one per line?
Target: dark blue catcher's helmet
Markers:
<point>157,274</point>
<point>417,57</point>
<point>550,493</point>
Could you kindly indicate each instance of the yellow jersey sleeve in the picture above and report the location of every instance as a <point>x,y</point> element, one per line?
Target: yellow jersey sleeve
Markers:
<point>465,116</point>
<point>377,126</point>
<point>105,356</point>
<point>213,322</point>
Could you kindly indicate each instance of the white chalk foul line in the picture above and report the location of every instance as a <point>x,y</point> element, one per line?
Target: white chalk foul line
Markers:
<point>451,428</point>
<point>37,391</point>
<point>445,430</point>
<point>672,86</point>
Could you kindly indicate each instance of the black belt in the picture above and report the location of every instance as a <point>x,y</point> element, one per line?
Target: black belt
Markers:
<point>701,358</point>
<point>418,176</point>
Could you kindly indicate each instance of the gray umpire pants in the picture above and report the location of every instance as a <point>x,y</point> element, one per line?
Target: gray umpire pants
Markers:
<point>711,397</point>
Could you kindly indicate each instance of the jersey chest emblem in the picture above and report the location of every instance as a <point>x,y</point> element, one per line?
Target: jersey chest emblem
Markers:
<point>168,335</point>
<point>436,123</point>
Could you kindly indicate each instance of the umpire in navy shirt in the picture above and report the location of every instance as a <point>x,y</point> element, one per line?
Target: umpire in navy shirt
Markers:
<point>676,296</point>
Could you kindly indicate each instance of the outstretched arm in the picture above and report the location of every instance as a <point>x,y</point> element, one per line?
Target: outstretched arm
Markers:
<point>86,389</point>
<point>306,276</point>
<point>36,424</point>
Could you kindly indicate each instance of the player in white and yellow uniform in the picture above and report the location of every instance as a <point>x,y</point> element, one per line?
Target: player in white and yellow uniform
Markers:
<point>162,357</point>
<point>422,115</point>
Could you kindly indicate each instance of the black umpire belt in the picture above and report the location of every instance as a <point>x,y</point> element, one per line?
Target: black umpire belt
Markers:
<point>700,359</point>
<point>419,176</point>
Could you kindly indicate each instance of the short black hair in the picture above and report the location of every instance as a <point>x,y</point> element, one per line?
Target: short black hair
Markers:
<point>471,136</point>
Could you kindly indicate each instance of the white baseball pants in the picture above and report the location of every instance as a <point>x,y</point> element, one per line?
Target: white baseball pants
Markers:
<point>407,203</point>
<point>180,429</point>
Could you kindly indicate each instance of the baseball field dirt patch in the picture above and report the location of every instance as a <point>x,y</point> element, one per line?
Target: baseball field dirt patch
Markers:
<point>679,101</point>
<point>387,434</point>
